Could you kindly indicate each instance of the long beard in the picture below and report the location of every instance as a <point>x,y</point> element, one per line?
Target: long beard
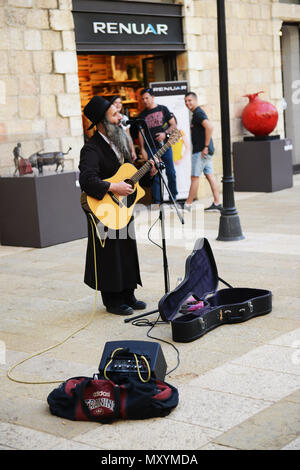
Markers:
<point>117,135</point>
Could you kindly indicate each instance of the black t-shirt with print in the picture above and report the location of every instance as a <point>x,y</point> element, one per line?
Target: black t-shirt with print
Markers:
<point>198,132</point>
<point>157,120</point>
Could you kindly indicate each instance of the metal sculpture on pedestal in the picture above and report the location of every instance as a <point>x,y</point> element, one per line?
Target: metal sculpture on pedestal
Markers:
<point>38,159</point>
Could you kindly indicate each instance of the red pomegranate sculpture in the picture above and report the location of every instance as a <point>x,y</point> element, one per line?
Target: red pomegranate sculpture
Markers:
<point>258,116</point>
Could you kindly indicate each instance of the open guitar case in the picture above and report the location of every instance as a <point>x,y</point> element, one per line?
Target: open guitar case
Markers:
<point>216,307</point>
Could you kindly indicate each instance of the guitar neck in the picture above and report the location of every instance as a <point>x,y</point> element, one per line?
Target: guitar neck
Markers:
<point>146,167</point>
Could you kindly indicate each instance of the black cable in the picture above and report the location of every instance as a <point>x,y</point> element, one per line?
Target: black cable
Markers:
<point>146,322</point>
<point>152,241</point>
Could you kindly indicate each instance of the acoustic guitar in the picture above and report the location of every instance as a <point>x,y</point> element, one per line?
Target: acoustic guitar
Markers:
<point>115,211</point>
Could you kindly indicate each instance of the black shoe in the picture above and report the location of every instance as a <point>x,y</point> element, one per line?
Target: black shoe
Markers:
<point>120,310</point>
<point>137,304</point>
<point>214,208</point>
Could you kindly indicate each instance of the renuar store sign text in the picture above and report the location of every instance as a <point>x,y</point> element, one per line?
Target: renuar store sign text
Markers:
<point>129,28</point>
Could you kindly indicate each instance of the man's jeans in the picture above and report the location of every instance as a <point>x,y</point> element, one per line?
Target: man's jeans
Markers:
<point>167,159</point>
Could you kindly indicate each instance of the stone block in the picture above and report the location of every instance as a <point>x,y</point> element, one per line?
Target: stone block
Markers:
<point>69,105</point>
<point>15,16</point>
<point>65,62</point>
<point>29,85</point>
<point>16,40</point>
<point>193,25</point>
<point>9,110</point>
<point>51,40</point>
<point>51,145</point>
<point>38,127</point>
<point>19,127</point>
<point>3,62</point>
<point>61,20</point>
<point>68,38</point>
<point>51,84</point>
<point>57,127</point>
<point>72,83</point>
<point>205,77</point>
<point>65,4</point>
<point>276,91</point>
<point>21,3</point>
<point>208,25</point>
<point>209,60</point>
<point>76,126</point>
<point>194,78</point>
<point>4,39</point>
<point>265,11</point>
<point>42,61</point>
<point>234,41</point>
<point>38,19</point>
<point>9,85</point>
<point>46,3</point>
<point>200,9</point>
<point>48,106</point>
<point>28,107</point>
<point>19,62</point>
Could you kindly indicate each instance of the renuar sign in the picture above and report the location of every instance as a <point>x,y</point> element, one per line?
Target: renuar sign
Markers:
<point>114,26</point>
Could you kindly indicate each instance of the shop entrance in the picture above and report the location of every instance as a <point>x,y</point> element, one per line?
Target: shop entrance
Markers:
<point>125,75</point>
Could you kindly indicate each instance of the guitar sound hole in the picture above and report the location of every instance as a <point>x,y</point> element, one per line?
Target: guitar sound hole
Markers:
<point>128,181</point>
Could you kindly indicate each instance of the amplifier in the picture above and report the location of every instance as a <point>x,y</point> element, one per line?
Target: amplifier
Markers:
<point>118,358</point>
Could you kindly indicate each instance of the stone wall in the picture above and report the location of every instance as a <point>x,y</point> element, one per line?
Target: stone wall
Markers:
<point>39,91</point>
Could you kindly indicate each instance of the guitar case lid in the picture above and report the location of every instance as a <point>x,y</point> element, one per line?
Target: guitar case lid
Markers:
<point>201,279</point>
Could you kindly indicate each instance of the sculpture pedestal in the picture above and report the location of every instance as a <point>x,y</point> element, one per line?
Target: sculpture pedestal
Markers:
<point>262,165</point>
<point>41,211</point>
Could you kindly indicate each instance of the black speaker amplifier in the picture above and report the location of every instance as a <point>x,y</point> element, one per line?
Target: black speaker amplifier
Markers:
<point>125,363</point>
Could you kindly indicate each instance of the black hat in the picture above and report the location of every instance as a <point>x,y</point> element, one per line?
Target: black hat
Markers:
<point>96,109</point>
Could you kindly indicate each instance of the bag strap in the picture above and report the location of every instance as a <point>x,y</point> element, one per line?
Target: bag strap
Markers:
<point>85,408</point>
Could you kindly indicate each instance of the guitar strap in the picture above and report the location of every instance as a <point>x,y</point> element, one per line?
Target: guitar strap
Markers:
<point>102,242</point>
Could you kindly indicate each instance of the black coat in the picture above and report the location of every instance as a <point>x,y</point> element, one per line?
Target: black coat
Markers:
<point>117,263</point>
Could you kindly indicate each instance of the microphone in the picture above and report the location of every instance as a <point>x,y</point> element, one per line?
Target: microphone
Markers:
<point>125,121</point>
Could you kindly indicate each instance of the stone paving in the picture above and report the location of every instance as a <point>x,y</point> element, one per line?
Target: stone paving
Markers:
<point>238,385</point>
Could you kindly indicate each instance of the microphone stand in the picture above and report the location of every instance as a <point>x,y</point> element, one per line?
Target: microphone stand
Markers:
<point>159,166</point>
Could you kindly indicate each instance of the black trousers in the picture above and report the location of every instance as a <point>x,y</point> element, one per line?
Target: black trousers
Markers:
<point>115,299</point>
